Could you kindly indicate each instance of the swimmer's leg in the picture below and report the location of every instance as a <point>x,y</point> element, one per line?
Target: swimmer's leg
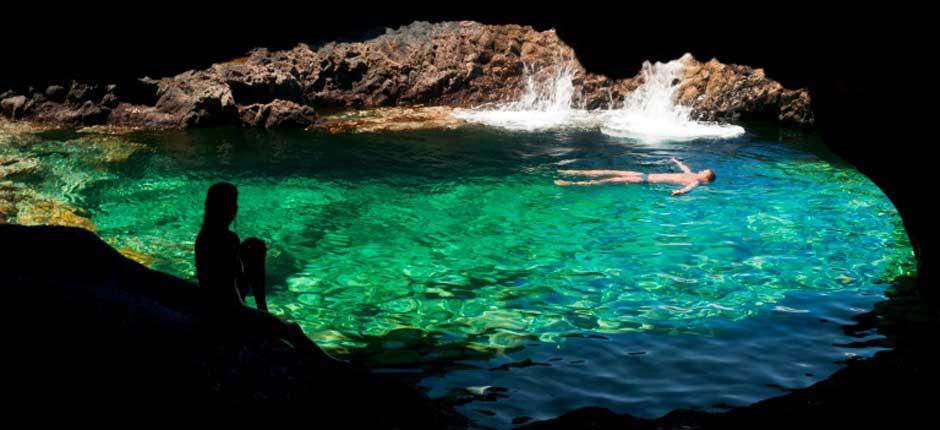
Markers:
<point>618,180</point>
<point>597,173</point>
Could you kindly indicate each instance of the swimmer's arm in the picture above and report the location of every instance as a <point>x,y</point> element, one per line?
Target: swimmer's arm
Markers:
<point>681,165</point>
<point>685,189</point>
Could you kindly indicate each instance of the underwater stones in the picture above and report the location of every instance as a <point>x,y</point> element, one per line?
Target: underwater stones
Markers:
<point>52,212</point>
<point>10,167</point>
<point>7,202</point>
<point>389,119</point>
<point>140,257</point>
<point>109,148</point>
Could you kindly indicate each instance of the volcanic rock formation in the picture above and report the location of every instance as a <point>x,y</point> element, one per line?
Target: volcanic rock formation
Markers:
<point>456,64</point>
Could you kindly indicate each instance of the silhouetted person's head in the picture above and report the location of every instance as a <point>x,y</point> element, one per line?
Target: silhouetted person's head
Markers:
<point>221,206</point>
<point>706,176</point>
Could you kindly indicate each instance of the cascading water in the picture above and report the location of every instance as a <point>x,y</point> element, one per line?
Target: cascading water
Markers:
<point>650,112</point>
<point>545,104</point>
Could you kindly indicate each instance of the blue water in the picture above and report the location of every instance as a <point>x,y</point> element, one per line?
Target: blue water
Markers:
<point>450,255</point>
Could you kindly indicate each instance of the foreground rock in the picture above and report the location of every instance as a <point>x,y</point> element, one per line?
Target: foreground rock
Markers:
<point>93,336</point>
<point>457,64</point>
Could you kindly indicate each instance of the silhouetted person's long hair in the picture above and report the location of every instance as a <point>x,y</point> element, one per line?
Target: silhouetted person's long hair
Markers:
<point>217,263</point>
<point>221,206</point>
<point>229,270</point>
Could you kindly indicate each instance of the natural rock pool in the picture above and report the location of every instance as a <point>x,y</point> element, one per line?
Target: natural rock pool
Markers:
<point>451,255</point>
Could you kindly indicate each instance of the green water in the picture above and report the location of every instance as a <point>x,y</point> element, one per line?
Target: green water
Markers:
<point>454,247</point>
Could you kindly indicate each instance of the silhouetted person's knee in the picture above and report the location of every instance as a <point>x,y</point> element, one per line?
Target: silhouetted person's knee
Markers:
<point>253,252</point>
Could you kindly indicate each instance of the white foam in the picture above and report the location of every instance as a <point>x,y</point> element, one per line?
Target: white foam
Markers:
<point>545,104</point>
<point>649,113</point>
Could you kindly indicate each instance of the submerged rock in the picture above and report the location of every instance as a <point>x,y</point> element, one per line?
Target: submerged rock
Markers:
<point>389,119</point>
<point>455,64</point>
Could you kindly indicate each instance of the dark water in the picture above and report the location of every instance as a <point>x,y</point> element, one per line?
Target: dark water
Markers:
<point>451,255</point>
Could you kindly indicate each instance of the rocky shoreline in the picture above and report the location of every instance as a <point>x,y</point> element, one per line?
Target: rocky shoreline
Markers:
<point>114,341</point>
<point>452,64</point>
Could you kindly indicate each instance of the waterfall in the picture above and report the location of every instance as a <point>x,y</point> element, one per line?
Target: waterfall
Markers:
<point>546,103</point>
<point>650,113</point>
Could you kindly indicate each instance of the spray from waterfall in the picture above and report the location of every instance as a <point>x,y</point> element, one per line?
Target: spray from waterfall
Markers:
<point>650,113</point>
<point>546,103</point>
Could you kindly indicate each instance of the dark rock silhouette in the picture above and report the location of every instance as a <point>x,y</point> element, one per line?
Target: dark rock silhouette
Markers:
<point>96,336</point>
<point>459,64</point>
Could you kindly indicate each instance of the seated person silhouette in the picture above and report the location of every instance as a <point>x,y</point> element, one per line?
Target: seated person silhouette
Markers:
<point>229,270</point>
<point>688,179</point>
<point>219,265</point>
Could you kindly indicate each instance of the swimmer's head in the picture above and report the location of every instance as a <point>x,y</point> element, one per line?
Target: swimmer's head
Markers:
<point>705,176</point>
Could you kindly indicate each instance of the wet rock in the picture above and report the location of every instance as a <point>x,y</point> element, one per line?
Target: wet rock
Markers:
<point>10,166</point>
<point>389,119</point>
<point>12,107</point>
<point>132,115</point>
<point>52,212</point>
<point>79,93</point>
<point>197,99</point>
<point>110,99</point>
<point>455,64</point>
<point>278,114</point>
<point>142,92</point>
<point>7,202</point>
<point>56,93</point>
<point>729,92</point>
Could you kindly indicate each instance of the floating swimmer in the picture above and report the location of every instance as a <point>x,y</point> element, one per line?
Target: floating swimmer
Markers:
<point>688,179</point>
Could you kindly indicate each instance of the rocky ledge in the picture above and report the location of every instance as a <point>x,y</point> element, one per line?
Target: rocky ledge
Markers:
<point>456,64</point>
<point>92,335</point>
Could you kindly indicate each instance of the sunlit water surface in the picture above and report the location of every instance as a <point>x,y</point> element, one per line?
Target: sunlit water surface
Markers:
<point>453,256</point>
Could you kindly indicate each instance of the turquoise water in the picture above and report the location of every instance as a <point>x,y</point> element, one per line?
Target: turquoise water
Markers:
<point>452,256</point>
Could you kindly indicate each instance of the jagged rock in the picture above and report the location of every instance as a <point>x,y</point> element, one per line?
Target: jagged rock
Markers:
<point>456,64</point>
<point>453,64</point>
<point>133,115</point>
<point>79,93</point>
<point>56,93</point>
<point>278,113</point>
<point>197,99</point>
<point>717,91</point>
<point>110,99</point>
